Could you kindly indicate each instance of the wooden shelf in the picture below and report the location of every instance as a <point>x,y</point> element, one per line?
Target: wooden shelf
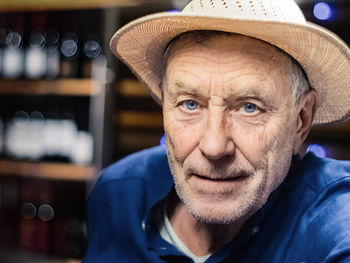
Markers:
<point>131,88</point>
<point>63,87</point>
<point>37,5</point>
<point>47,170</point>
<point>14,255</point>
<point>139,119</point>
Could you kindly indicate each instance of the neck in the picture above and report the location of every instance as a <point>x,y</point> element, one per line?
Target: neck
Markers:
<point>200,238</point>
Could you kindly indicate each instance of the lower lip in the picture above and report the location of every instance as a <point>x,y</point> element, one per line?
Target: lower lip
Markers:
<point>208,183</point>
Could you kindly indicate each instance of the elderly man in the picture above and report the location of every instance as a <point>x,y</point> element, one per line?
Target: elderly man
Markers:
<point>241,83</point>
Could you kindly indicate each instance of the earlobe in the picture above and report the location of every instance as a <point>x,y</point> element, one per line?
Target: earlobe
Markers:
<point>306,114</point>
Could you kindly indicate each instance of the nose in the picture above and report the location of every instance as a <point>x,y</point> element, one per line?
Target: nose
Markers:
<point>216,141</point>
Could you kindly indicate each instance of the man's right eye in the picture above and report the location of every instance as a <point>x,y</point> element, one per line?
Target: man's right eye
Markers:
<point>190,105</point>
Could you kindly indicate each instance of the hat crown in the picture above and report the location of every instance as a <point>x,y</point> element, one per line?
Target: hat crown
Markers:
<point>275,10</point>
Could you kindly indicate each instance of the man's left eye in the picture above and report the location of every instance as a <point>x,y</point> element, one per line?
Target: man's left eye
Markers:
<point>249,108</point>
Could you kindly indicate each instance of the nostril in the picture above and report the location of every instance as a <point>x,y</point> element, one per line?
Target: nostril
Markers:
<point>216,147</point>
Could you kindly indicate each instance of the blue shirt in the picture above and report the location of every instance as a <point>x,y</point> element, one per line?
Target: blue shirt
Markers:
<point>306,219</point>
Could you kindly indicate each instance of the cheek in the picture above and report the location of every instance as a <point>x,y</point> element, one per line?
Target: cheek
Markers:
<point>280,150</point>
<point>183,138</point>
<point>252,142</point>
<point>259,144</point>
<point>280,155</point>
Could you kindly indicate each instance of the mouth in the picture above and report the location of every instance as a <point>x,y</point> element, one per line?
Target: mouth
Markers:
<point>227,179</point>
<point>217,187</point>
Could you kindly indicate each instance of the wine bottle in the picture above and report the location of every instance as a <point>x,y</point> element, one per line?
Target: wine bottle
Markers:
<point>1,136</point>
<point>13,54</point>
<point>69,55</point>
<point>53,55</point>
<point>36,54</point>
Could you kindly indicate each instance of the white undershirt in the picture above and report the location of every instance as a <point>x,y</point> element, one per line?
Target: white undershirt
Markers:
<point>167,232</point>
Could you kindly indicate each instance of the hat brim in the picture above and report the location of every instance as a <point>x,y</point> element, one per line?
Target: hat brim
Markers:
<point>323,55</point>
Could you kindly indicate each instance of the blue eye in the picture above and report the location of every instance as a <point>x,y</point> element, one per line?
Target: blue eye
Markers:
<point>250,107</point>
<point>191,104</point>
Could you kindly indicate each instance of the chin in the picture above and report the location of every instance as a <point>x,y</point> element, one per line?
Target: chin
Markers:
<point>229,211</point>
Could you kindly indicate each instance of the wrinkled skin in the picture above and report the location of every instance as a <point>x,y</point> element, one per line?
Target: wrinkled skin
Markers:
<point>231,129</point>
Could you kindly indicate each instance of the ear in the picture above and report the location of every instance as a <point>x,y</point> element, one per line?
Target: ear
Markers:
<point>161,92</point>
<point>306,113</point>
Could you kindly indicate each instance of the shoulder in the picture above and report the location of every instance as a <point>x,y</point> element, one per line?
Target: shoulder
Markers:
<point>325,224</point>
<point>120,201</point>
<point>321,174</point>
<point>149,164</point>
<point>145,174</point>
<point>326,184</point>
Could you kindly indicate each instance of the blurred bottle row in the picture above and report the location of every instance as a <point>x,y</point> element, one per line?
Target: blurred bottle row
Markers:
<point>35,136</point>
<point>42,46</point>
<point>42,216</point>
<point>45,215</point>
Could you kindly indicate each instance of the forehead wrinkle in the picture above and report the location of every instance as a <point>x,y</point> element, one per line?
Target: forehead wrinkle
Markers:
<point>184,52</point>
<point>184,89</point>
<point>212,51</point>
<point>183,81</point>
<point>217,64</point>
<point>253,47</point>
<point>231,88</point>
<point>260,88</point>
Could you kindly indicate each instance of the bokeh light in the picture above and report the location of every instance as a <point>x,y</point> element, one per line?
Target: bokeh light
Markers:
<point>46,212</point>
<point>322,11</point>
<point>28,210</point>
<point>317,149</point>
<point>162,141</point>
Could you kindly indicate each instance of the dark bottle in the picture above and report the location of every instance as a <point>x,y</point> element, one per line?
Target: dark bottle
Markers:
<point>45,215</point>
<point>53,45</point>
<point>69,55</point>
<point>27,221</point>
<point>13,54</point>
<point>53,54</point>
<point>36,54</point>
<point>9,207</point>
<point>1,136</point>
<point>91,38</point>
<point>91,52</point>
<point>2,37</point>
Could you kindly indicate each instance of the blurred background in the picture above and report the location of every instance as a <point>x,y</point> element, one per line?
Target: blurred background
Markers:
<point>68,109</point>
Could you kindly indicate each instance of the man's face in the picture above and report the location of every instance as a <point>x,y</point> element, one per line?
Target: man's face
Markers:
<point>230,125</point>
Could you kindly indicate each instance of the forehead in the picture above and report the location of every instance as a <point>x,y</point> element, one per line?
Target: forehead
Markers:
<point>230,63</point>
<point>218,43</point>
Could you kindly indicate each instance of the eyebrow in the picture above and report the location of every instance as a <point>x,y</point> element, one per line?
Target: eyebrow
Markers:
<point>182,89</point>
<point>253,93</point>
<point>234,96</point>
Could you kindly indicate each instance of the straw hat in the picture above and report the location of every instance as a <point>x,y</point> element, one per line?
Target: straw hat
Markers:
<point>324,56</point>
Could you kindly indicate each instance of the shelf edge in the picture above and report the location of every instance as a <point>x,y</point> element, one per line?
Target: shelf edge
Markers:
<point>47,170</point>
